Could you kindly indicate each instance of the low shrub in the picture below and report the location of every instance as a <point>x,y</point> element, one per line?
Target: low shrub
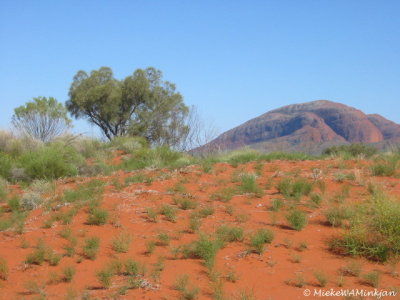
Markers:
<point>297,219</point>
<point>122,242</point>
<point>91,247</point>
<point>97,216</point>
<point>259,239</point>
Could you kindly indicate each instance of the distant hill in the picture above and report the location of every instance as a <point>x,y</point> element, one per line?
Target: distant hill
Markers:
<point>308,127</point>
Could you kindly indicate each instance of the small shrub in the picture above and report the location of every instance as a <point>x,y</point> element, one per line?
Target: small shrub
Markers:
<point>163,239</point>
<point>276,204</point>
<point>352,268</point>
<point>297,220</point>
<point>122,242</point>
<point>97,216</point>
<point>169,213</point>
<point>150,247</point>
<point>248,185</point>
<point>316,199</point>
<point>206,211</point>
<point>151,214</point>
<point>259,239</point>
<point>105,277</point>
<point>68,273</point>
<point>372,278</point>
<point>321,278</point>
<point>37,257</point>
<point>91,247</point>
<point>224,195</point>
<point>227,234</point>
<point>336,215</point>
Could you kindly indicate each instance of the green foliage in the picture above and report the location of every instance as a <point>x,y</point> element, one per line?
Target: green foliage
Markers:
<point>351,151</point>
<point>51,162</point>
<point>296,189</point>
<point>223,195</point>
<point>372,278</point>
<point>228,234</point>
<point>159,157</point>
<point>91,247</point>
<point>169,212</point>
<point>204,248</point>
<point>321,278</point>
<point>6,163</point>
<point>374,230</point>
<point>386,165</point>
<point>336,215</point>
<point>297,219</point>
<point>140,105</point>
<point>122,242</point>
<point>248,184</point>
<point>97,216</point>
<point>43,118</point>
<point>259,239</point>
<point>68,273</point>
<point>105,277</point>
<point>187,289</point>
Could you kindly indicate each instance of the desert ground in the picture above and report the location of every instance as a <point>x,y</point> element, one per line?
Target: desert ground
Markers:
<point>199,232</point>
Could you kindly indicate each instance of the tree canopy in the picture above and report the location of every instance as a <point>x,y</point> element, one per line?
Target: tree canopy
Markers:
<point>42,118</point>
<point>142,104</point>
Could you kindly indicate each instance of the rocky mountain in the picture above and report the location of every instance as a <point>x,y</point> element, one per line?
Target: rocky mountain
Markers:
<point>308,127</point>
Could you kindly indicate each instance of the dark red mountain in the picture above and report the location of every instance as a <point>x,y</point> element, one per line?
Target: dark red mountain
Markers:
<point>308,127</point>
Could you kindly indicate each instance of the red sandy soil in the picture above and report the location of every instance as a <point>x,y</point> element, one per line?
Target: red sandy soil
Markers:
<point>264,276</point>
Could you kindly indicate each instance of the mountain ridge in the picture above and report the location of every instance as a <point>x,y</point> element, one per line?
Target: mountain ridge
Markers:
<point>307,127</point>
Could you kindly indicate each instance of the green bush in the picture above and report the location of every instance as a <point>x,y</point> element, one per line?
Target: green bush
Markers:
<point>374,230</point>
<point>248,184</point>
<point>336,215</point>
<point>351,151</point>
<point>51,162</point>
<point>6,164</point>
<point>296,189</point>
<point>68,273</point>
<point>260,238</point>
<point>386,166</point>
<point>169,212</point>
<point>204,248</point>
<point>228,234</point>
<point>297,219</point>
<point>105,277</point>
<point>91,247</point>
<point>122,242</point>
<point>97,216</point>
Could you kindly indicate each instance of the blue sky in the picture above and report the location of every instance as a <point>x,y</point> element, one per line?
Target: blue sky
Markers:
<point>234,60</point>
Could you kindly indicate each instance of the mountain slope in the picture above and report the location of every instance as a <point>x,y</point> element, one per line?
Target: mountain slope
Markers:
<point>309,127</point>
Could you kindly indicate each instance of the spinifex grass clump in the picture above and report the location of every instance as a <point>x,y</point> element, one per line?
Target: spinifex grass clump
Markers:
<point>204,248</point>
<point>336,215</point>
<point>374,230</point>
<point>91,247</point>
<point>228,234</point>
<point>259,239</point>
<point>297,219</point>
<point>248,185</point>
<point>386,165</point>
<point>295,189</point>
<point>97,216</point>
<point>122,242</point>
<point>41,254</point>
<point>86,193</point>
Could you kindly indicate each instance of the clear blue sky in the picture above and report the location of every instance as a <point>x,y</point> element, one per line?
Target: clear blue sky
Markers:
<point>234,60</point>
